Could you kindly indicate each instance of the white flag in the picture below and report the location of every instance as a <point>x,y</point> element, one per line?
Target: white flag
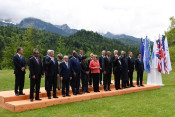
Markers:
<point>167,56</point>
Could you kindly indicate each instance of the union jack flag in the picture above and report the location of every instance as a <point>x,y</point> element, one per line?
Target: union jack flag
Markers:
<point>160,55</point>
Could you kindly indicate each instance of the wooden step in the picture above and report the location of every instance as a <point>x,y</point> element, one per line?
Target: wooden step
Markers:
<point>8,96</point>
<point>24,105</point>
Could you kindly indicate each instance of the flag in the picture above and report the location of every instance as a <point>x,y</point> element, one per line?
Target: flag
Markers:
<point>159,54</point>
<point>154,58</point>
<point>169,68</point>
<point>146,57</point>
<point>142,49</point>
<point>164,55</point>
<point>149,45</point>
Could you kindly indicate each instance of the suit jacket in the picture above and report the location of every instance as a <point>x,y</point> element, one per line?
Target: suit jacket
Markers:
<point>80,57</point>
<point>51,68</point>
<point>65,71</point>
<point>107,64</point>
<point>130,64</point>
<point>124,62</point>
<point>139,66</point>
<point>101,61</point>
<point>84,68</point>
<point>44,62</point>
<point>75,65</point>
<point>35,68</point>
<point>18,64</point>
<point>117,66</point>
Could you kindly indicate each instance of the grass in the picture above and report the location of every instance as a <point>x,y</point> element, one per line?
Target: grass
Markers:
<point>153,103</point>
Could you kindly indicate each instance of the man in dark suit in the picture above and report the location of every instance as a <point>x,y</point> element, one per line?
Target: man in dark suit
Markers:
<point>80,55</point>
<point>107,70</point>
<point>65,75</point>
<point>19,71</point>
<point>131,69</point>
<point>124,62</point>
<point>117,66</point>
<point>36,71</point>
<point>75,69</point>
<point>113,58</point>
<point>51,73</point>
<point>101,61</point>
<point>139,67</point>
<point>84,74</point>
<point>90,76</point>
<point>44,69</point>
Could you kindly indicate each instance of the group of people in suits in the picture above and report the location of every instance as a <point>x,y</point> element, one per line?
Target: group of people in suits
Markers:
<point>76,71</point>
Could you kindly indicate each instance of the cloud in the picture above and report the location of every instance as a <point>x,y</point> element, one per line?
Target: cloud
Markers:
<point>134,17</point>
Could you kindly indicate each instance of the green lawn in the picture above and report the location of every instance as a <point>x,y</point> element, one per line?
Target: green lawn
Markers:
<point>157,103</point>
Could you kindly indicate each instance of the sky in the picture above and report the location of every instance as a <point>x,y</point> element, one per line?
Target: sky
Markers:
<point>132,17</point>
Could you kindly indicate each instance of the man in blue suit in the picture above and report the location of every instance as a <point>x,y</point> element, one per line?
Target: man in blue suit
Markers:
<point>19,71</point>
<point>75,68</point>
<point>101,61</point>
<point>65,75</point>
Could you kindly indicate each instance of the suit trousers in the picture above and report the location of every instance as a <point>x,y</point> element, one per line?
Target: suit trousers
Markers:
<point>52,81</point>
<point>65,84</point>
<point>75,83</point>
<point>85,79</point>
<point>117,80</point>
<point>107,80</point>
<point>19,82</point>
<point>139,77</point>
<point>34,82</point>
<point>130,75</point>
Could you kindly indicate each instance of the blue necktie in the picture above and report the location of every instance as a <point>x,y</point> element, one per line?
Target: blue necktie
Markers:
<point>53,61</point>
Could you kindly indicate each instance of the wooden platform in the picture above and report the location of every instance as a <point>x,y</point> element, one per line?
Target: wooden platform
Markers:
<point>9,101</point>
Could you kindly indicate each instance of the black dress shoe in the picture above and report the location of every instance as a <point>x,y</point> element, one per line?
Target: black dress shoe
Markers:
<point>132,86</point>
<point>49,97</point>
<point>64,96</point>
<point>38,99</point>
<point>31,100</point>
<point>83,92</point>
<point>138,85</point>
<point>109,89</point>
<point>79,93</point>
<point>74,94</point>
<point>22,93</point>
<point>87,92</point>
<point>68,95</point>
<point>55,97</point>
<point>142,85</point>
<point>105,90</point>
<point>17,94</point>
<point>98,91</point>
<point>116,88</point>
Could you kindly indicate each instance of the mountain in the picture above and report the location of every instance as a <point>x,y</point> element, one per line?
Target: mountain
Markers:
<point>67,29</point>
<point>41,25</point>
<point>126,39</point>
<point>7,22</point>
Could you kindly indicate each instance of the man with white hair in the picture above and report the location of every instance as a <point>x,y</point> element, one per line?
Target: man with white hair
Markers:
<point>65,75</point>
<point>44,68</point>
<point>51,73</point>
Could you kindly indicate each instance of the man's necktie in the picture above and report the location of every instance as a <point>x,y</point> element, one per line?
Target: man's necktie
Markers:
<point>53,61</point>
<point>37,60</point>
